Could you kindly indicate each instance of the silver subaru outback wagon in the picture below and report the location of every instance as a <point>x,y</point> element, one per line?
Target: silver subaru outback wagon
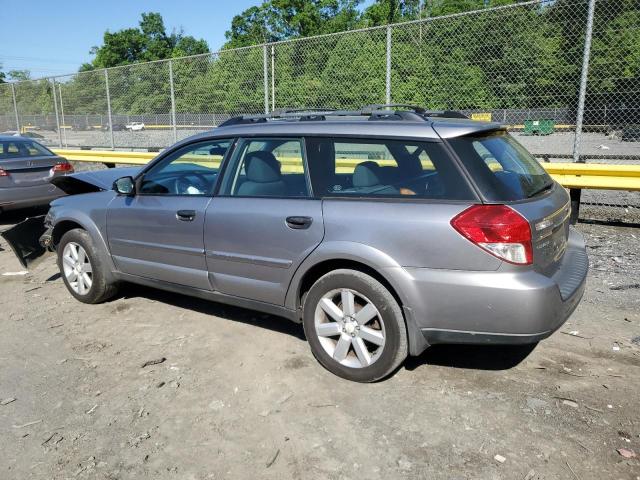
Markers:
<point>381,231</point>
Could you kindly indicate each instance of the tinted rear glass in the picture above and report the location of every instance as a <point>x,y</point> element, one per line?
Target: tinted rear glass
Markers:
<point>21,148</point>
<point>502,168</point>
<point>384,168</point>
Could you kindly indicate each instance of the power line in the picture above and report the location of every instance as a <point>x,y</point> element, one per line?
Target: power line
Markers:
<point>37,59</point>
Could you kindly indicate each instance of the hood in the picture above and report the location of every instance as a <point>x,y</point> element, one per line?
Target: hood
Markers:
<point>92,180</point>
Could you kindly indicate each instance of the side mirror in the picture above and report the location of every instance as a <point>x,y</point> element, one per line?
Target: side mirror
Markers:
<point>124,186</point>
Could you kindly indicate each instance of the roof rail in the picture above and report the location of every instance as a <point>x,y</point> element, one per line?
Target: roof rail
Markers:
<point>389,111</point>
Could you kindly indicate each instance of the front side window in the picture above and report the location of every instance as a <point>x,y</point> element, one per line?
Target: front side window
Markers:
<point>21,148</point>
<point>501,167</point>
<point>191,170</point>
<point>384,168</point>
<point>270,167</point>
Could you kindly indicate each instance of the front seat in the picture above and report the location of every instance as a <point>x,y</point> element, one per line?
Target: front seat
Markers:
<point>366,179</point>
<point>263,176</point>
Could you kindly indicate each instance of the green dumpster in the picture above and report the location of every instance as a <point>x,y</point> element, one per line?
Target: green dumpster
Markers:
<point>528,127</point>
<point>544,126</point>
<point>547,126</point>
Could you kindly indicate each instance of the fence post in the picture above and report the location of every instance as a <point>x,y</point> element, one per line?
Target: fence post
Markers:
<point>388,68</point>
<point>583,80</point>
<point>64,133</point>
<point>15,107</point>
<point>173,102</point>
<point>266,79</point>
<point>110,120</point>
<point>273,79</point>
<point>55,107</point>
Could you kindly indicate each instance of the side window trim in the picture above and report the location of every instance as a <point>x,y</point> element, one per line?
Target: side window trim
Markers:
<point>169,157</point>
<point>305,167</point>
<point>224,165</point>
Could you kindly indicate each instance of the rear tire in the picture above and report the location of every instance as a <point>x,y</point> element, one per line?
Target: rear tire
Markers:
<point>81,268</point>
<point>354,326</point>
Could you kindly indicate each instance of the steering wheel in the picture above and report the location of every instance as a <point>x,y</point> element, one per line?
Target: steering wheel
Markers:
<point>183,183</point>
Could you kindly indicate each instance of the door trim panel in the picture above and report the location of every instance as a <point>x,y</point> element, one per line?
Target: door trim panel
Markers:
<point>252,259</point>
<point>158,246</point>
<point>153,270</point>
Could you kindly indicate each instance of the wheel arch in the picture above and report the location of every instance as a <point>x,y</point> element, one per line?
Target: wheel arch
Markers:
<point>313,273</point>
<point>363,258</point>
<point>62,227</point>
<point>67,223</point>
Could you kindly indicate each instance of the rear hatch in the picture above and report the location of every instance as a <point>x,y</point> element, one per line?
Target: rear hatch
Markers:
<point>505,173</point>
<point>25,163</point>
<point>549,220</point>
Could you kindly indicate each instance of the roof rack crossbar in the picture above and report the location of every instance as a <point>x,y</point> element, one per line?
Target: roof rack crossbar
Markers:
<point>383,106</point>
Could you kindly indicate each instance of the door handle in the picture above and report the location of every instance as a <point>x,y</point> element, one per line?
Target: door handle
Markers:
<point>186,215</point>
<point>299,223</point>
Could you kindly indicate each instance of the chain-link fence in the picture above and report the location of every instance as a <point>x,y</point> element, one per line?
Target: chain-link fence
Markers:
<point>563,75</point>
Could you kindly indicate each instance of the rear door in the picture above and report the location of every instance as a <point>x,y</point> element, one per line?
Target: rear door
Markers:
<point>26,163</point>
<point>264,221</point>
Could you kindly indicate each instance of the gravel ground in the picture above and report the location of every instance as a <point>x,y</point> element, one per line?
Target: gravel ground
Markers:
<point>240,395</point>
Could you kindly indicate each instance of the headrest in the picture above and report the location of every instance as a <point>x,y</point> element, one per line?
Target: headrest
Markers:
<point>262,167</point>
<point>366,174</point>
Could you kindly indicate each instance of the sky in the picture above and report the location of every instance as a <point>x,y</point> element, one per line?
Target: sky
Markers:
<point>53,37</point>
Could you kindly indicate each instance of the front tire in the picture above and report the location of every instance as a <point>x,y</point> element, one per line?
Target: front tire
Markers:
<point>82,271</point>
<point>354,326</point>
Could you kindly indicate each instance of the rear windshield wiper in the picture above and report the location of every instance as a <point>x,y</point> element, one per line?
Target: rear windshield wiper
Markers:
<point>538,191</point>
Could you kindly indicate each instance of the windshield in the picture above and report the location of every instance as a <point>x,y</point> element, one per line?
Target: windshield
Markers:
<point>22,148</point>
<point>502,168</point>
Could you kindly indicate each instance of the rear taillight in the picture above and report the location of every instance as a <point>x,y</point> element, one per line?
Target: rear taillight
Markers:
<point>62,167</point>
<point>499,230</point>
<point>3,173</point>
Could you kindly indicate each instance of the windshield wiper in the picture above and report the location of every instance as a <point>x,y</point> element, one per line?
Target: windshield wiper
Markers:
<point>538,191</point>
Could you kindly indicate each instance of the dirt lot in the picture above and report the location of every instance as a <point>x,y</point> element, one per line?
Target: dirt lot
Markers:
<point>240,395</point>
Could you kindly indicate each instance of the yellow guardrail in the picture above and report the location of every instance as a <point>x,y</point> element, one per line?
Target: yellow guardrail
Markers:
<point>106,156</point>
<point>595,175</point>
<point>569,175</point>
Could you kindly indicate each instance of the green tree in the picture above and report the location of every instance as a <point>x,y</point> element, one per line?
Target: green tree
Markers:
<point>383,12</point>
<point>147,42</point>
<point>19,75</point>
<point>276,20</point>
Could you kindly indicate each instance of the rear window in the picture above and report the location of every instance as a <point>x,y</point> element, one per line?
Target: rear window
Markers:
<point>502,168</point>
<point>383,168</point>
<point>21,148</point>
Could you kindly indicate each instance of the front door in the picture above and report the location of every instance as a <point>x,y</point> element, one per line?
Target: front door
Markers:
<point>157,232</point>
<point>263,223</point>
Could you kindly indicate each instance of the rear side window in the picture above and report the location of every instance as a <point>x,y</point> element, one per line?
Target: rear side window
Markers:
<point>501,167</point>
<point>384,168</point>
<point>18,149</point>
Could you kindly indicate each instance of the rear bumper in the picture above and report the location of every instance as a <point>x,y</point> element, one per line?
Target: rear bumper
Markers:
<point>29,240</point>
<point>500,307</point>
<point>23,197</point>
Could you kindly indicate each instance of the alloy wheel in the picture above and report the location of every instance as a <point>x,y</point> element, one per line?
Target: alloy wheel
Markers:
<point>349,328</point>
<point>77,268</point>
